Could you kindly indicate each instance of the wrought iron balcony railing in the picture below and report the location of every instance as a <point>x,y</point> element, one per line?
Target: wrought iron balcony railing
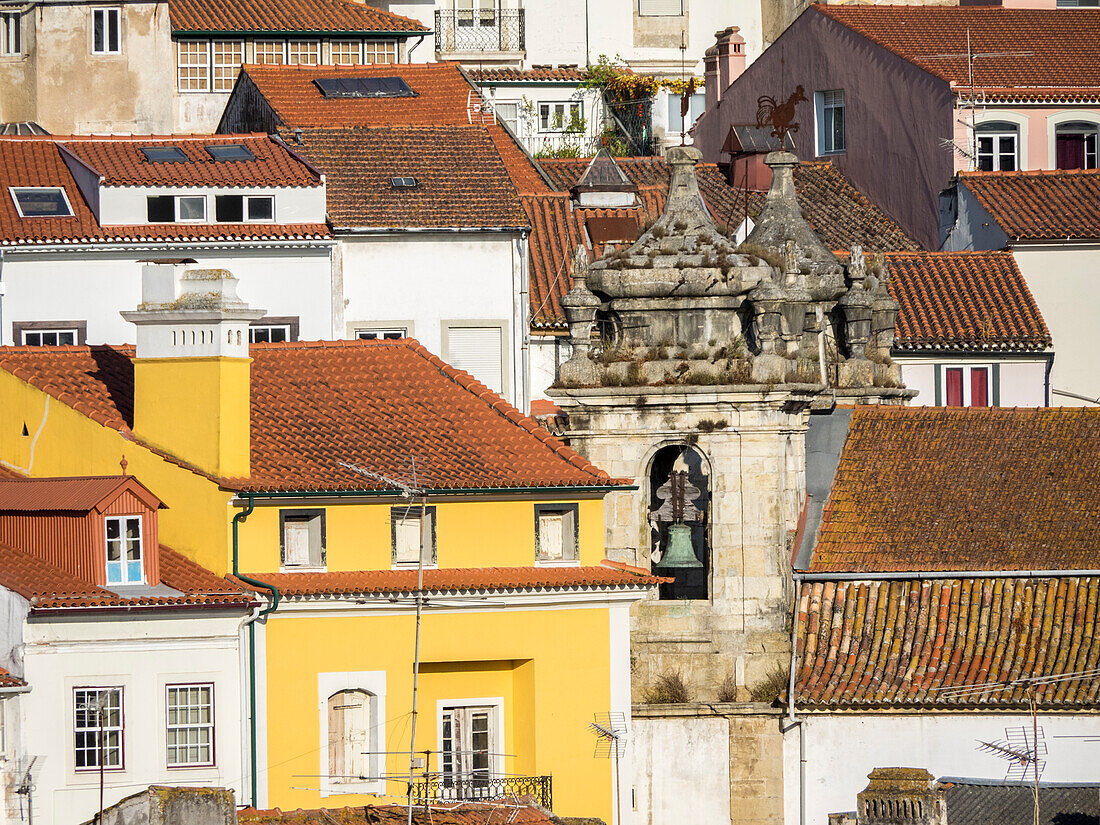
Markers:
<point>474,787</point>
<point>479,30</point>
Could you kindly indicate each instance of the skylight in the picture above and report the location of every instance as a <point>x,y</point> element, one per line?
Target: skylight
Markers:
<point>363,87</point>
<point>41,202</point>
<point>230,152</point>
<point>164,154</point>
<point>403,183</point>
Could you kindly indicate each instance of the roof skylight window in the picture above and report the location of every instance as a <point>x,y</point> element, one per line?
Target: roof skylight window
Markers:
<point>363,87</point>
<point>230,152</point>
<point>404,183</point>
<point>164,154</point>
<point>41,202</point>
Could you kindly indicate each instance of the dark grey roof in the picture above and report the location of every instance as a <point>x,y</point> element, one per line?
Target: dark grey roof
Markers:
<point>23,127</point>
<point>998,802</point>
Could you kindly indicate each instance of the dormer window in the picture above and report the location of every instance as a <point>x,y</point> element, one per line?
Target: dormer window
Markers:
<point>124,553</point>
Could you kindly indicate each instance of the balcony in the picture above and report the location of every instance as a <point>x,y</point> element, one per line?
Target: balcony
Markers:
<point>474,787</point>
<point>479,31</point>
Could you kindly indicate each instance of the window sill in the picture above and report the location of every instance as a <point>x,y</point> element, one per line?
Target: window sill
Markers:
<point>557,562</point>
<point>412,565</point>
<point>832,154</point>
<point>203,767</point>
<point>354,788</point>
<point>304,568</point>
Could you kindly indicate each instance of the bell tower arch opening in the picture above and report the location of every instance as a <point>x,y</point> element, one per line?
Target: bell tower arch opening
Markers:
<point>679,510</point>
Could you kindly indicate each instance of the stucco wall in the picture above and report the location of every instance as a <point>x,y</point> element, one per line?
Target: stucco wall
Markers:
<point>1022,380</point>
<point>1037,127</point>
<point>895,116</point>
<point>1063,281</point>
<point>842,749</point>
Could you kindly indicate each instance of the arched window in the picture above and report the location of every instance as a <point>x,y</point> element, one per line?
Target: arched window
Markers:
<point>348,736</point>
<point>1075,145</point>
<point>679,510</point>
<point>998,146</point>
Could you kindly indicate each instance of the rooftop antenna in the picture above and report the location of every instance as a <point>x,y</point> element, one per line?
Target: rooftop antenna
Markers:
<point>412,491</point>
<point>26,788</point>
<point>610,731</point>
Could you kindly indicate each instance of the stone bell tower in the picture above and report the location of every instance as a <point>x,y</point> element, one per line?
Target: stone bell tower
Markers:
<point>696,364</point>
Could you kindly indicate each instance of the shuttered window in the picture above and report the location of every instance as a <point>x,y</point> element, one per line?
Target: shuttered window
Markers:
<point>556,532</point>
<point>660,8</point>
<point>348,736</point>
<point>478,351</point>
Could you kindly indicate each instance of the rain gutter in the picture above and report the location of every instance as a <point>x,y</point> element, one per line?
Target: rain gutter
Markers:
<point>923,575</point>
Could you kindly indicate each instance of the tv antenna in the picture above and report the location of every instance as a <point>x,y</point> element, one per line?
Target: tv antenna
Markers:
<point>610,731</point>
<point>411,490</point>
<point>26,788</point>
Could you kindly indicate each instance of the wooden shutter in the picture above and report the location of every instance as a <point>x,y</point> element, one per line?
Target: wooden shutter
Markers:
<point>296,542</point>
<point>407,538</point>
<point>954,386</point>
<point>478,351</point>
<point>979,387</point>
<point>551,534</point>
<point>348,714</point>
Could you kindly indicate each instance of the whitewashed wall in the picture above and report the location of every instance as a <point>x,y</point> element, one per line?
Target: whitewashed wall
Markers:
<point>129,205</point>
<point>681,770</point>
<point>1022,381</point>
<point>842,749</point>
<point>95,287</point>
<point>142,654</point>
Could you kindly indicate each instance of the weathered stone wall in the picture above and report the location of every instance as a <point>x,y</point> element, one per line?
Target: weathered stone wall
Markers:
<point>754,442</point>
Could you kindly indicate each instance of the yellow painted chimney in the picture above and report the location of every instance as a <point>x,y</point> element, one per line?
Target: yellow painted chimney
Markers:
<point>191,373</point>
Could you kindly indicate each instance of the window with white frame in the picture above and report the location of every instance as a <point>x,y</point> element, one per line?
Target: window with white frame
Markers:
<point>660,8</point>
<point>226,57</point>
<point>469,735</point>
<point>1075,146</point>
<point>556,532</point>
<point>106,30</point>
<point>124,550</point>
<point>303,52</point>
<point>48,337</point>
<point>379,51</point>
<point>11,40</point>
<point>189,735</point>
<point>41,202</point>
<point>412,531</point>
<point>829,113</point>
<point>349,715</point>
<point>269,52</point>
<point>346,52</point>
<point>508,113</point>
<point>967,386</point>
<point>558,116</point>
<point>476,13</point>
<point>997,147</point>
<point>381,333</point>
<point>193,66</point>
<point>244,208</point>
<point>176,208</point>
<point>273,329</point>
<point>302,538</point>
<point>97,728</point>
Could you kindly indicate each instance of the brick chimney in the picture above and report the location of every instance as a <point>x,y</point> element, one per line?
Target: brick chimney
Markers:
<point>731,57</point>
<point>710,77</point>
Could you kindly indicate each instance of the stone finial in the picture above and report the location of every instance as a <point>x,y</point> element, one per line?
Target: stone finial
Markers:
<point>580,307</point>
<point>769,366</point>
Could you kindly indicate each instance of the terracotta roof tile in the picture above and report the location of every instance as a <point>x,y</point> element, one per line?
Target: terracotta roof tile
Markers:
<point>938,489</point>
<point>265,16</point>
<point>460,178</point>
<point>444,97</point>
<point>120,161</point>
<point>901,643</point>
<point>9,681</point>
<point>39,162</point>
<point>566,74</point>
<point>1040,48</point>
<point>76,493</point>
<point>1047,205</point>
<point>317,403</point>
<point>964,300</point>
<point>456,580</point>
<point>441,813</point>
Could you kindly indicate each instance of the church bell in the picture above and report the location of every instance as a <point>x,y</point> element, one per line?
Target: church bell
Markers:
<point>680,552</point>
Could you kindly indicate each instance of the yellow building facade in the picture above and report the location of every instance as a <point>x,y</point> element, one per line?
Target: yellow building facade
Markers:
<point>524,632</point>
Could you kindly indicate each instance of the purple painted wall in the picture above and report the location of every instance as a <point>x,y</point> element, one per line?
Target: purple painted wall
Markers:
<point>896,116</point>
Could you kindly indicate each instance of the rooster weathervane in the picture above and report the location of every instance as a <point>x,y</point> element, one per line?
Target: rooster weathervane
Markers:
<point>780,116</point>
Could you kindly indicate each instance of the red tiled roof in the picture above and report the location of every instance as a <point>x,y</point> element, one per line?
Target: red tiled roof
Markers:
<point>456,580</point>
<point>1045,205</point>
<point>120,161</point>
<point>566,74</point>
<point>964,300</point>
<point>441,813</point>
<point>314,404</point>
<point>1039,48</point>
<point>77,493</point>
<point>901,643</point>
<point>266,16</point>
<point>946,489</point>
<point>461,180</point>
<point>444,97</point>
<point>9,681</point>
<point>38,162</point>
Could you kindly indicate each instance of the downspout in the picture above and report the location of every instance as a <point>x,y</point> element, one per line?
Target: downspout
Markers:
<point>237,519</point>
<point>409,51</point>
<point>1046,380</point>
<point>525,326</point>
<point>791,720</point>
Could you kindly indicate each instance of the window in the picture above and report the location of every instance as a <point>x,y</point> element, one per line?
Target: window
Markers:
<point>268,51</point>
<point>176,208</point>
<point>273,328</point>
<point>556,532</point>
<point>124,550</point>
<point>468,744</point>
<point>349,714</point>
<point>412,535</point>
<point>660,8</point>
<point>11,43</point>
<point>346,52</point>
<point>41,202</point>
<point>303,53</point>
<point>1075,146</point>
<point>97,728</point>
<point>829,109</point>
<point>303,538</point>
<point>479,13</point>
<point>226,57</point>
<point>508,114</point>
<point>244,208</point>
<point>164,154</point>
<point>190,732</point>
<point>193,66</point>
<point>557,117</point>
<point>403,183</point>
<point>48,333</point>
<point>479,350</point>
<point>230,152</point>
<point>997,147</point>
<point>379,51</point>
<point>381,334</point>
<point>106,31</point>
<point>966,386</point>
